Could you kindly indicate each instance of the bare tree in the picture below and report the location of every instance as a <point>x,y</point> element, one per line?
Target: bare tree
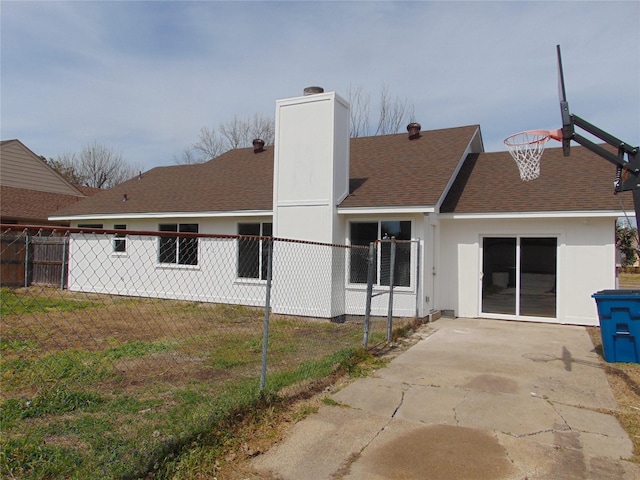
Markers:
<point>95,166</point>
<point>188,157</point>
<point>262,127</point>
<point>358,112</point>
<point>394,113</point>
<point>237,133</point>
<point>209,144</point>
<point>65,165</point>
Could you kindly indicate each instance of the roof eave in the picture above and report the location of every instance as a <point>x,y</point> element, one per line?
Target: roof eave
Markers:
<point>143,216</point>
<point>386,210</point>
<point>475,145</point>
<point>533,215</point>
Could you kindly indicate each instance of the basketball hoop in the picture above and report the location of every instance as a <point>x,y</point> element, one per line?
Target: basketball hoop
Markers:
<point>527,147</point>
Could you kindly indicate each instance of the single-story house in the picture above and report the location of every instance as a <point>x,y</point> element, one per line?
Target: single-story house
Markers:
<point>30,190</point>
<point>486,243</point>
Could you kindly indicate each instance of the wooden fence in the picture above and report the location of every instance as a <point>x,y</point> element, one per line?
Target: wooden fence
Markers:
<point>12,260</point>
<point>33,260</point>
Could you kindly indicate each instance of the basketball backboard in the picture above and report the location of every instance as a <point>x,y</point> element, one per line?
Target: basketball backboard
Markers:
<point>567,124</point>
<point>527,148</point>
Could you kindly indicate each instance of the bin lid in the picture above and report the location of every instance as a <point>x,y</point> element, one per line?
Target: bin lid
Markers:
<point>617,293</point>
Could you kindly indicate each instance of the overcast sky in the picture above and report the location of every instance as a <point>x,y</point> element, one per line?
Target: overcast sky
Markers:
<point>143,77</point>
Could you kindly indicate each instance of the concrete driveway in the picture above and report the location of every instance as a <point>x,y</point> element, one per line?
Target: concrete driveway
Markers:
<point>475,399</point>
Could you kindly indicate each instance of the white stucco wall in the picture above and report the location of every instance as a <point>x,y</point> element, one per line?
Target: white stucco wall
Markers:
<point>309,279</point>
<point>95,267</point>
<point>585,262</point>
<point>314,281</point>
<point>219,225</point>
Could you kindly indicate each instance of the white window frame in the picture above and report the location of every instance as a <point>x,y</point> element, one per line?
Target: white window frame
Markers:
<point>179,228</point>
<point>261,251</point>
<point>412,258</point>
<point>120,239</point>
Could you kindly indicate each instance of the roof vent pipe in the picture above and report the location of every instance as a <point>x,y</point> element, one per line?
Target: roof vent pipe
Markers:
<point>313,90</point>
<point>414,130</point>
<point>125,198</point>
<point>258,145</point>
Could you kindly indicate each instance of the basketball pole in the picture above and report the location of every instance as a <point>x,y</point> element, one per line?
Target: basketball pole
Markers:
<point>627,160</point>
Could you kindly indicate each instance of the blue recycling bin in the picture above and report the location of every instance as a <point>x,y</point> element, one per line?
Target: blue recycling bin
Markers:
<point>619,315</point>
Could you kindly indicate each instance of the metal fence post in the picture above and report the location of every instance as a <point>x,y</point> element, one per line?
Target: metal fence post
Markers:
<point>63,268</point>
<point>367,310</point>
<point>418,284</point>
<point>26,258</point>
<point>392,267</point>
<point>267,309</point>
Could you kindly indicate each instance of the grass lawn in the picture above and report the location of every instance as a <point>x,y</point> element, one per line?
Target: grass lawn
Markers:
<point>93,386</point>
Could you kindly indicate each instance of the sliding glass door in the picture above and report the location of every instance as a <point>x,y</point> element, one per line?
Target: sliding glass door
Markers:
<point>499,275</point>
<point>519,276</point>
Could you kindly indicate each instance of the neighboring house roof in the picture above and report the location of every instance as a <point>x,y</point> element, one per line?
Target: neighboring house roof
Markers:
<point>32,191</point>
<point>387,170</point>
<point>88,191</point>
<point>21,168</point>
<point>490,183</point>
<point>31,206</point>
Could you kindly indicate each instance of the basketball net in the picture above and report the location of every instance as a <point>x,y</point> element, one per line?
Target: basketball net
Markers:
<point>526,148</point>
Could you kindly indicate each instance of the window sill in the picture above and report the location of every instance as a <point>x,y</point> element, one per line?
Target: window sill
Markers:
<point>249,281</point>
<point>379,288</point>
<point>176,266</point>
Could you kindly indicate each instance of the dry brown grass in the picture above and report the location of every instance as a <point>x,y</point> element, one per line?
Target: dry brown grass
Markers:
<point>624,379</point>
<point>153,366</point>
<point>629,280</point>
<point>193,334</point>
<point>196,334</point>
<point>114,320</point>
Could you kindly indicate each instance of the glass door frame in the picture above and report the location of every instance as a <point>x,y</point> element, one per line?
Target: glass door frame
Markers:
<point>517,316</point>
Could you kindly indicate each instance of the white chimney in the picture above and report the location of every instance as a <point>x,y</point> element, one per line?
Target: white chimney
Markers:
<point>311,166</point>
<point>310,179</point>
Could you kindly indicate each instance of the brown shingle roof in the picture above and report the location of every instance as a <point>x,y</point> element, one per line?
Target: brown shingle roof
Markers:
<point>237,180</point>
<point>88,191</point>
<point>391,170</point>
<point>388,170</point>
<point>490,183</point>
<point>32,206</point>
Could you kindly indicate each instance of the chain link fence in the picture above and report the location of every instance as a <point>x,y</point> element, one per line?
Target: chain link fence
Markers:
<point>155,336</point>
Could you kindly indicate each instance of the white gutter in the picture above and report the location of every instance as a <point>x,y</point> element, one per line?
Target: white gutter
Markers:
<point>114,216</point>
<point>524,215</point>
<point>384,210</point>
